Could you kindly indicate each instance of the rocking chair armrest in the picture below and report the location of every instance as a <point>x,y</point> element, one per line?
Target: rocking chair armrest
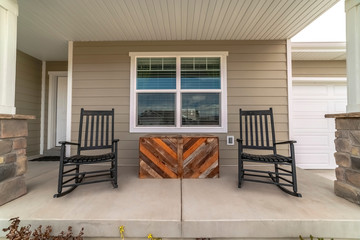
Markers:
<point>69,143</point>
<point>239,140</point>
<point>115,143</point>
<point>286,142</point>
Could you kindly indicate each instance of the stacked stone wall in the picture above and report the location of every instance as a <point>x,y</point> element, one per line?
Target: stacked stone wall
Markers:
<point>347,144</point>
<point>13,160</point>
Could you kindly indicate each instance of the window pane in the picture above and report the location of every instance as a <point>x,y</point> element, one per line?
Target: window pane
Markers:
<point>156,109</point>
<point>156,73</point>
<point>200,73</point>
<point>200,108</point>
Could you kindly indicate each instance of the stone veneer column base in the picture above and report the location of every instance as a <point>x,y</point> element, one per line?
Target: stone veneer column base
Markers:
<point>347,156</point>
<point>12,189</point>
<point>13,161</point>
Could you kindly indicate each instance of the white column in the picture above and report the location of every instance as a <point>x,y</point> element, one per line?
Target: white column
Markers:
<point>352,8</point>
<point>69,93</point>
<point>8,29</point>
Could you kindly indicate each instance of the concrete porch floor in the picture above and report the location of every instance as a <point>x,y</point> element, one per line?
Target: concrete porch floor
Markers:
<point>191,208</point>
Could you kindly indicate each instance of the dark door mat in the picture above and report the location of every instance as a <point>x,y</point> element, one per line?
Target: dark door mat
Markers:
<point>47,158</point>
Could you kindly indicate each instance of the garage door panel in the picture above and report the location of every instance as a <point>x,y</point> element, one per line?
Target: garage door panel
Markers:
<point>314,150</point>
<point>306,141</point>
<point>304,91</point>
<point>310,124</point>
<point>340,91</point>
<point>309,158</point>
<point>313,132</point>
<point>305,106</point>
<point>340,106</point>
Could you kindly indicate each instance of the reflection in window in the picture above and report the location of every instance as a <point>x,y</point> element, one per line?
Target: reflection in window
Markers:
<point>200,108</point>
<point>200,73</point>
<point>156,109</point>
<point>156,73</point>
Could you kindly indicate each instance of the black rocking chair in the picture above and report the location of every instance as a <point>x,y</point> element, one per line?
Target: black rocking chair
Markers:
<point>98,134</point>
<point>259,134</point>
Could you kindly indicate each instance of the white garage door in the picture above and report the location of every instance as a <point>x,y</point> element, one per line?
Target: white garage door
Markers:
<point>315,134</point>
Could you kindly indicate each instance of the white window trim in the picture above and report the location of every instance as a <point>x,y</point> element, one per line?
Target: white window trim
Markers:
<point>177,129</point>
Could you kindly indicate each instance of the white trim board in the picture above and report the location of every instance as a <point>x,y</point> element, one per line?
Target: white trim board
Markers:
<point>52,105</point>
<point>318,46</point>
<point>42,120</point>
<point>289,84</point>
<point>69,93</point>
<point>319,79</point>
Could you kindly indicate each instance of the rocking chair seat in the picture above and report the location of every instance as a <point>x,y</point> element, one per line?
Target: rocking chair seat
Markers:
<point>89,158</point>
<point>271,158</point>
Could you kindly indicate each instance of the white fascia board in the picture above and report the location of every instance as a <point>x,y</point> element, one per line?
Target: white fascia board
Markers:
<point>10,5</point>
<point>318,47</point>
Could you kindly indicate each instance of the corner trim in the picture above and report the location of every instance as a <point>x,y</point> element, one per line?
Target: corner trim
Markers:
<point>69,93</point>
<point>42,118</point>
<point>289,85</point>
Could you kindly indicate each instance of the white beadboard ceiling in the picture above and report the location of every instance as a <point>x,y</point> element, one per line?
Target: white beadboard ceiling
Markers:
<point>45,26</point>
<point>318,51</point>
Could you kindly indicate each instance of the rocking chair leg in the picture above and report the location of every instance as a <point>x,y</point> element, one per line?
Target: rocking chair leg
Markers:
<point>60,194</point>
<point>113,173</point>
<point>61,178</point>
<point>276,173</point>
<point>294,180</point>
<point>293,193</point>
<point>77,174</point>
<point>240,172</point>
<point>77,181</point>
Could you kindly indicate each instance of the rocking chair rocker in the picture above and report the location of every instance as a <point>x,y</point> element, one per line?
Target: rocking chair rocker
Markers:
<point>97,135</point>
<point>259,134</point>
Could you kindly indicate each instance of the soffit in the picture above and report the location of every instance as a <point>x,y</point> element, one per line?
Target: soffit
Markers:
<point>44,26</point>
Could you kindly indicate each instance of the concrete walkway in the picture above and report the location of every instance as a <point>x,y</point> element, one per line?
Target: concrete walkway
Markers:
<point>191,208</point>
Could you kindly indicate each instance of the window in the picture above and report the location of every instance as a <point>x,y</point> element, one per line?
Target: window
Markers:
<point>178,92</point>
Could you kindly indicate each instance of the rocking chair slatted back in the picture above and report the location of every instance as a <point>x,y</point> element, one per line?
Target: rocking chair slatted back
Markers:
<point>259,129</point>
<point>98,132</point>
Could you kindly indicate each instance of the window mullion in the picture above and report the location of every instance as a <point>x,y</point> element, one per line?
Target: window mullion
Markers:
<point>178,93</point>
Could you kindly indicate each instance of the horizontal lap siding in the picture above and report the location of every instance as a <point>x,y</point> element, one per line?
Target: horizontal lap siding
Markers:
<point>256,80</point>
<point>319,68</point>
<point>28,97</point>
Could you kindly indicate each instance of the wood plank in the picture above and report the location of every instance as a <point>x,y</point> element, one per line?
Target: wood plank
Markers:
<point>204,157</point>
<point>195,145</point>
<point>178,156</point>
<point>208,166</point>
<point>160,159</point>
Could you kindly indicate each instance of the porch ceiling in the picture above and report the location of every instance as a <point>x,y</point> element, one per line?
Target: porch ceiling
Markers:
<point>44,27</point>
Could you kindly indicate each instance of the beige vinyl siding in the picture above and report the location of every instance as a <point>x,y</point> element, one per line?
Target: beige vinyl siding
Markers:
<point>51,66</point>
<point>28,97</point>
<point>257,79</point>
<point>319,68</point>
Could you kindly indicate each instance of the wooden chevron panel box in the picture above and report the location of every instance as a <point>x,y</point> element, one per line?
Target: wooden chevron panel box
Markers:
<point>177,156</point>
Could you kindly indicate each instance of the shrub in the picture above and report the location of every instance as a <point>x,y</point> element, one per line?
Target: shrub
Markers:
<point>15,232</point>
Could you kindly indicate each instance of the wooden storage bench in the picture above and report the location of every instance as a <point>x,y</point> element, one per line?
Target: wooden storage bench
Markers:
<point>178,156</point>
